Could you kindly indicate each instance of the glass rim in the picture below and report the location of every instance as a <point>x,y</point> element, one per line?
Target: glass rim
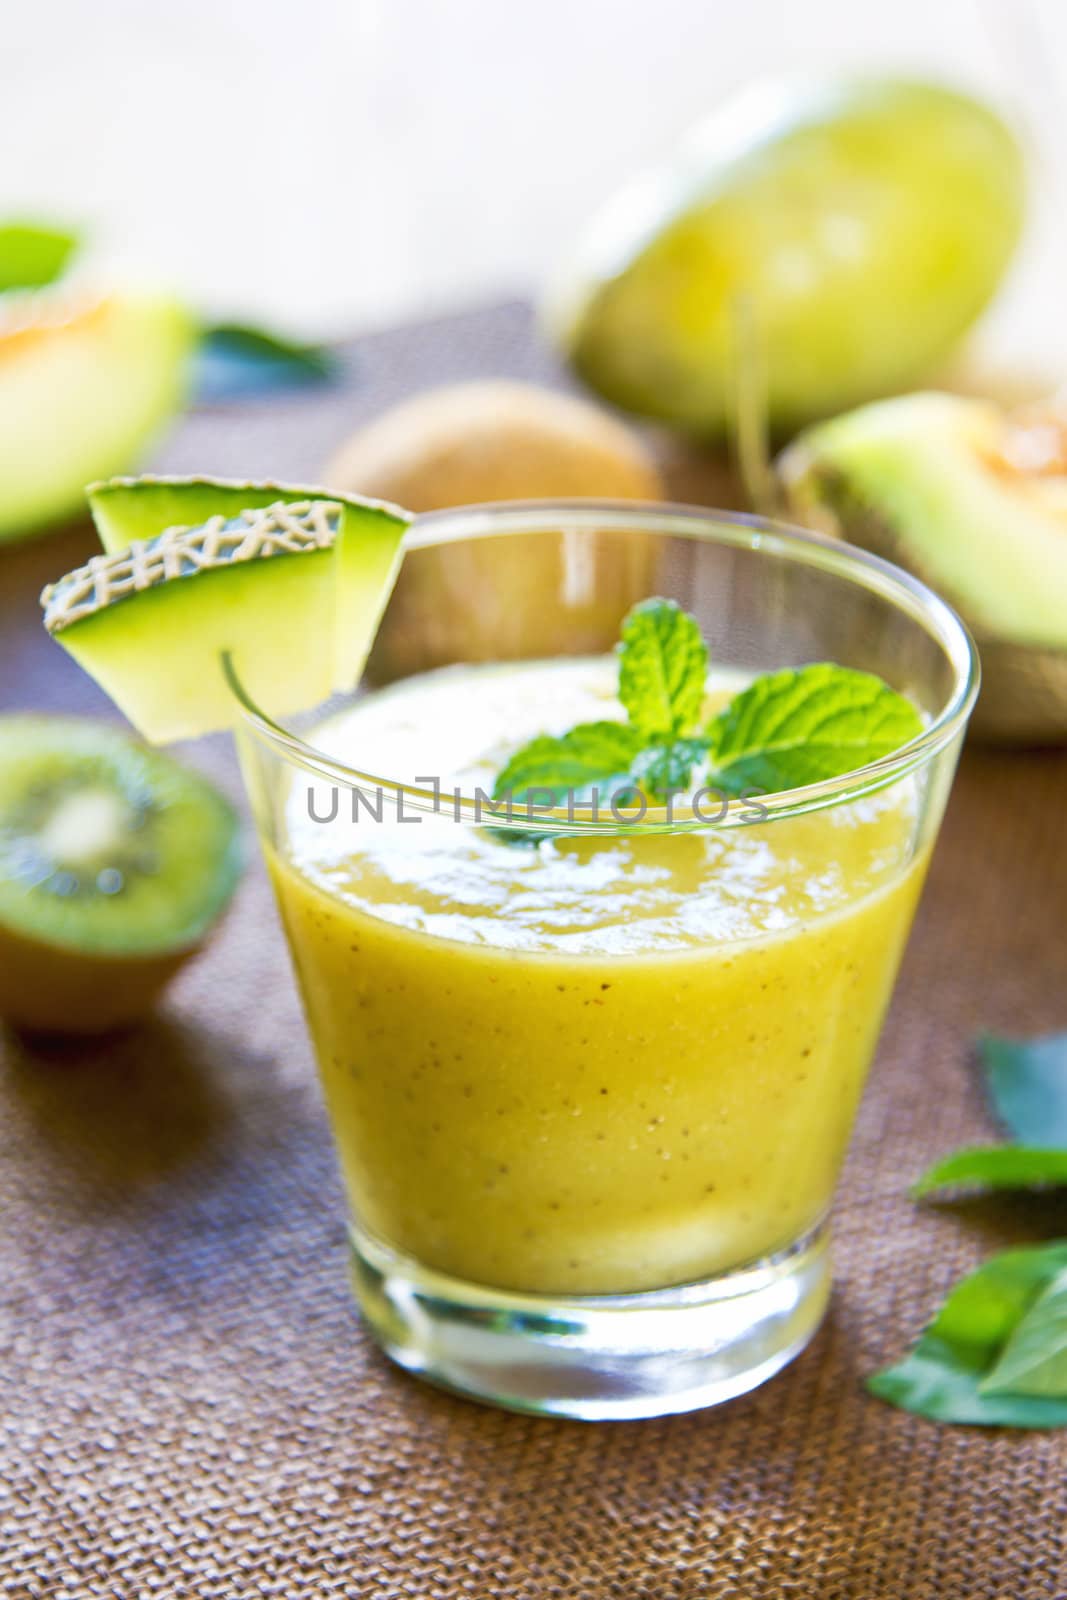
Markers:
<point>735,529</point>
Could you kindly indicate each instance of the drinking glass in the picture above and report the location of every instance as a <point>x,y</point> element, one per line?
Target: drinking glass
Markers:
<point>590,1167</point>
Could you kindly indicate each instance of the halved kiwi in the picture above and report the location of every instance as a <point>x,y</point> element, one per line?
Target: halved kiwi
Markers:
<point>115,861</point>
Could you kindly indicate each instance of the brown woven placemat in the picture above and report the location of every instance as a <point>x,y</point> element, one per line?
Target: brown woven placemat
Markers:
<point>188,1406</point>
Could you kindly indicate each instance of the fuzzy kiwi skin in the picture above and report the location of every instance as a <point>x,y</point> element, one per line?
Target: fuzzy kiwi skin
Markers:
<point>489,441</point>
<point>476,443</point>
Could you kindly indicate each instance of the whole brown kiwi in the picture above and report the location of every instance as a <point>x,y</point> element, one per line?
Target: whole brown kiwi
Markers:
<point>475,443</point>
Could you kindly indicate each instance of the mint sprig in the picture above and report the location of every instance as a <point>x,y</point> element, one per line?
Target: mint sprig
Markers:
<point>996,1352</point>
<point>804,725</point>
<point>592,754</point>
<point>1025,1081</point>
<point>236,359</point>
<point>663,666</point>
<point>993,1353</point>
<point>663,769</point>
<point>785,730</point>
<point>995,1166</point>
<point>1033,1361</point>
<point>33,255</point>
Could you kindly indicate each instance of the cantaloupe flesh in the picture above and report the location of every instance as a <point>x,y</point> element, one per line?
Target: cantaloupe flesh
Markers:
<point>927,469</point>
<point>82,395</point>
<point>367,552</point>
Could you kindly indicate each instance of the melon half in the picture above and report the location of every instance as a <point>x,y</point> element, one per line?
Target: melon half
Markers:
<point>85,386</point>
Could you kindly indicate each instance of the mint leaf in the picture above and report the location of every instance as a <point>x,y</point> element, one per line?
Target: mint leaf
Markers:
<point>665,769</point>
<point>1034,1360</point>
<point>806,724</point>
<point>1026,1080</point>
<point>943,1377</point>
<point>788,729</point>
<point>663,666</point>
<point>32,256</point>
<point>1003,1166</point>
<point>592,754</point>
<point>236,359</point>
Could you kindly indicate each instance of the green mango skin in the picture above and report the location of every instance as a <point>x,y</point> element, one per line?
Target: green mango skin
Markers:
<point>842,236</point>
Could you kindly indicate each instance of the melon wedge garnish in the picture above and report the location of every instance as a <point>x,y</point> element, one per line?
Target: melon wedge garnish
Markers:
<point>367,552</point>
<point>289,583</point>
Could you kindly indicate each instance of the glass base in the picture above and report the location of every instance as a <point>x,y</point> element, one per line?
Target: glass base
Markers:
<point>603,1357</point>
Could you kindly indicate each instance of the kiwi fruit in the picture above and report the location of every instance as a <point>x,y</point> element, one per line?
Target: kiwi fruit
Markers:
<point>469,443</point>
<point>115,862</point>
<point>494,440</point>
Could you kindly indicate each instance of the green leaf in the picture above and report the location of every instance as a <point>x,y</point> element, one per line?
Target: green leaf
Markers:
<point>1026,1080</point>
<point>1034,1360</point>
<point>943,1377</point>
<point>804,725</point>
<point>1003,1166</point>
<point>663,668</point>
<point>236,360</point>
<point>592,754</point>
<point>788,729</point>
<point>32,256</point>
<point>665,769</point>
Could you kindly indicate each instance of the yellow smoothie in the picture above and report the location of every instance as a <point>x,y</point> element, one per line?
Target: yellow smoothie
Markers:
<point>592,1065</point>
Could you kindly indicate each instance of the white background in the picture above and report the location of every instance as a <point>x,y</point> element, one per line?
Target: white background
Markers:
<point>339,164</point>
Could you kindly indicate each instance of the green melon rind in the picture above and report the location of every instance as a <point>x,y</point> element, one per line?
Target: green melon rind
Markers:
<point>86,404</point>
<point>368,550</point>
<point>368,557</point>
<point>158,653</point>
<point>195,827</point>
<point>906,478</point>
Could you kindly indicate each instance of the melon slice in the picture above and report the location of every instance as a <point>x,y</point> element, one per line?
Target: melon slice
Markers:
<point>267,585</point>
<point>84,388</point>
<point>367,556</point>
<point>958,491</point>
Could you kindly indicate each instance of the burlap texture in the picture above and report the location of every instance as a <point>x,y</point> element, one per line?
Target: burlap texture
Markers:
<point>189,1406</point>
